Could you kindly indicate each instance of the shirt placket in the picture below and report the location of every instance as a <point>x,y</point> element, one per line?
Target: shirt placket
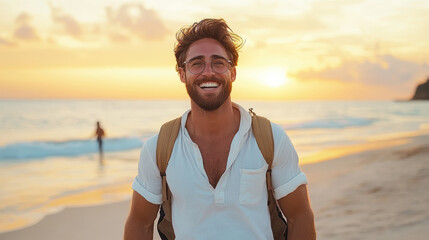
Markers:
<point>232,157</point>
<point>219,191</point>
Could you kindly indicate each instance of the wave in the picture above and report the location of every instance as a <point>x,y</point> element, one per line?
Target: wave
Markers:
<point>69,148</point>
<point>332,123</point>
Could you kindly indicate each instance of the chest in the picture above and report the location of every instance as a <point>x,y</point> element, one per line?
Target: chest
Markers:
<point>214,157</point>
<point>191,179</point>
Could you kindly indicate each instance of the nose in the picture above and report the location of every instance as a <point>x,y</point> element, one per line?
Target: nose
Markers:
<point>208,70</point>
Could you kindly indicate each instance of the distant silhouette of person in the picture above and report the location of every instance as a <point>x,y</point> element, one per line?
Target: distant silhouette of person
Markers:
<point>99,132</point>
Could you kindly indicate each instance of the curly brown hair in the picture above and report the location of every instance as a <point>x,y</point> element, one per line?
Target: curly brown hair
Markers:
<point>207,28</point>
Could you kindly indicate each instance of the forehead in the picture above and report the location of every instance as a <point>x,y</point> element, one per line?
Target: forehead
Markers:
<point>206,47</point>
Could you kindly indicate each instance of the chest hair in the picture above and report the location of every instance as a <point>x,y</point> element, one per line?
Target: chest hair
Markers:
<point>215,156</point>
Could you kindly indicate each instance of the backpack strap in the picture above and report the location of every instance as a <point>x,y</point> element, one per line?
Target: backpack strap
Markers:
<point>166,139</point>
<point>263,133</point>
<point>164,147</point>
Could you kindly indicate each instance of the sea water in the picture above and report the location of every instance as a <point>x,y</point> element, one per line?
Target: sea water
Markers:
<point>49,156</point>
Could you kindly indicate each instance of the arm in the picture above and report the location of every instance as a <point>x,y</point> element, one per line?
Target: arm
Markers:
<point>297,210</point>
<point>141,219</point>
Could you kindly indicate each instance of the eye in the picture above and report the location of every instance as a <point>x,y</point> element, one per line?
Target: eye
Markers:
<point>196,64</point>
<point>219,63</point>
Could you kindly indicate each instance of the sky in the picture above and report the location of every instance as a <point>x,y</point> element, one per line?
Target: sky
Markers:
<point>294,49</point>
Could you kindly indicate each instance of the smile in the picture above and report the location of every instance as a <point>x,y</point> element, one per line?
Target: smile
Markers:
<point>209,85</point>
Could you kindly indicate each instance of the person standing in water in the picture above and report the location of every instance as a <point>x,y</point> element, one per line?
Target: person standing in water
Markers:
<point>99,132</point>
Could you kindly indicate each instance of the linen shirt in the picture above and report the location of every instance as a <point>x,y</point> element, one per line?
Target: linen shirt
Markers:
<point>237,207</point>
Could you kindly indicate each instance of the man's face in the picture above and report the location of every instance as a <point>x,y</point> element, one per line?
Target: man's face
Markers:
<point>209,90</point>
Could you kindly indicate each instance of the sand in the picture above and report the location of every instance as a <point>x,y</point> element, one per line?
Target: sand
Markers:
<point>374,194</point>
<point>378,194</point>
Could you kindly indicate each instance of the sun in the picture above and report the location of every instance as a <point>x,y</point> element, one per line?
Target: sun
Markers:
<point>274,76</point>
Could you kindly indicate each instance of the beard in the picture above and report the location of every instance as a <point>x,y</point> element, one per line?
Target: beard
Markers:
<point>209,103</point>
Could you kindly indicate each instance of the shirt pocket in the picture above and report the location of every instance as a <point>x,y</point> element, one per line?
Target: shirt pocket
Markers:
<point>252,185</point>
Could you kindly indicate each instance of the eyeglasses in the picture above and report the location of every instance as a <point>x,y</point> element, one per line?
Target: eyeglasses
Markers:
<point>218,65</point>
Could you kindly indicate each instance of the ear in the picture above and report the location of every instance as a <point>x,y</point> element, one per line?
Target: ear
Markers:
<point>233,74</point>
<point>182,74</point>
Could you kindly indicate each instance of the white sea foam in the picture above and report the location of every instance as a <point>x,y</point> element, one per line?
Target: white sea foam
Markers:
<point>71,148</point>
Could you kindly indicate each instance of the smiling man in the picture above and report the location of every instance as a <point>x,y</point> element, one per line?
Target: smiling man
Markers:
<point>216,174</point>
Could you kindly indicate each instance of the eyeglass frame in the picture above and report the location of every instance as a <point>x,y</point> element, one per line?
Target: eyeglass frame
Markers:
<point>211,64</point>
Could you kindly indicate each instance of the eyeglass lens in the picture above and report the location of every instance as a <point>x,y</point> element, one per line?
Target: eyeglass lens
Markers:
<point>197,66</point>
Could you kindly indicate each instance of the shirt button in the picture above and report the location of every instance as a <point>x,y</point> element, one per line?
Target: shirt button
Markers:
<point>219,197</point>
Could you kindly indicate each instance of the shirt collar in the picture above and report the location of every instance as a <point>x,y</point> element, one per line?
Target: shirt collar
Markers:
<point>245,120</point>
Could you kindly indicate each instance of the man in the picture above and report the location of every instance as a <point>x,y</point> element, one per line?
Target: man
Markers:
<point>99,133</point>
<point>216,172</point>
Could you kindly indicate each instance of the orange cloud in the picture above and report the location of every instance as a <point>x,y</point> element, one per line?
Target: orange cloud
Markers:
<point>6,42</point>
<point>137,20</point>
<point>387,70</point>
<point>71,26</point>
<point>24,30</point>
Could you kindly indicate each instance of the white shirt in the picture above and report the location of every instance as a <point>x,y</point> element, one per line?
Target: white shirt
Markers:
<point>237,207</point>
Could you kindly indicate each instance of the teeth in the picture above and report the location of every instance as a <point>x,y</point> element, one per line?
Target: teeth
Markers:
<point>209,85</point>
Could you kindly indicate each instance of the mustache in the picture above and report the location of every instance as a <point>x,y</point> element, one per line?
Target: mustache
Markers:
<point>209,79</point>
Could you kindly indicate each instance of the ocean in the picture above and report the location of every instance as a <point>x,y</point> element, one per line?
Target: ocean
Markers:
<point>49,156</point>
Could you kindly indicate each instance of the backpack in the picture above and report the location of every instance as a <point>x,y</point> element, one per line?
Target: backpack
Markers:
<point>262,131</point>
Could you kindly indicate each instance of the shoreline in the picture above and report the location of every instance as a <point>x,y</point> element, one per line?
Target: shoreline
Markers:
<point>374,193</point>
<point>89,222</point>
<point>86,199</point>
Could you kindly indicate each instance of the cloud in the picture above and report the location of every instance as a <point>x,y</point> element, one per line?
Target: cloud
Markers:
<point>23,18</point>
<point>119,38</point>
<point>137,20</point>
<point>6,42</point>
<point>302,23</point>
<point>24,31</point>
<point>387,70</point>
<point>71,26</point>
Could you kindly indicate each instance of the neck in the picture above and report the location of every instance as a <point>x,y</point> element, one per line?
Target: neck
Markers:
<point>213,124</point>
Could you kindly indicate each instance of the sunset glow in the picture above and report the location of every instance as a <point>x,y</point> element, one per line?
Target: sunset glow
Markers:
<point>299,50</point>
<point>274,77</point>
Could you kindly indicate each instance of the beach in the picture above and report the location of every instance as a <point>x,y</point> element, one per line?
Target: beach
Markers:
<point>83,88</point>
<point>379,193</point>
<point>376,194</point>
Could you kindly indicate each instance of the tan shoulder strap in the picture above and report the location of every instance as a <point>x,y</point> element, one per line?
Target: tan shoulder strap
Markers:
<point>263,133</point>
<point>264,136</point>
<point>166,139</point>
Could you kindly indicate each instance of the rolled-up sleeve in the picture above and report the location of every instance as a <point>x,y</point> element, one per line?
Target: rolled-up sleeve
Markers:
<point>148,180</point>
<point>286,173</point>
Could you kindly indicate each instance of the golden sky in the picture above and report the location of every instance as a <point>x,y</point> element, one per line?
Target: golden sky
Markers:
<point>294,50</point>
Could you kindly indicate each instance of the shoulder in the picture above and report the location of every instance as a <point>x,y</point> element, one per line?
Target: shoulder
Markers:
<point>276,127</point>
<point>279,133</point>
<point>284,149</point>
<point>148,151</point>
<point>150,143</point>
